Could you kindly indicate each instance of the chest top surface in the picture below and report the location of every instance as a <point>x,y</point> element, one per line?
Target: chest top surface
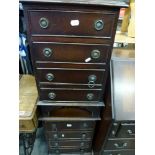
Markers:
<point>114,3</point>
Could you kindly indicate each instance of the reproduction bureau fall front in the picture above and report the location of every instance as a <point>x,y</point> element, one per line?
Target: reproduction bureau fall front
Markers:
<point>71,44</point>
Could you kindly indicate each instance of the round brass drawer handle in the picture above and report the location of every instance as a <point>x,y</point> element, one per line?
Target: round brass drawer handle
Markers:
<point>92,78</point>
<point>55,136</point>
<point>95,54</point>
<point>56,144</point>
<point>90,96</point>
<point>47,52</point>
<point>49,76</point>
<point>52,95</point>
<point>99,24</point>
<point>82,144</point>
<point>120,146</point>
<point>85,125</point>
<point>91,84</point>
<point>83,136</point>
<point>43,22</point>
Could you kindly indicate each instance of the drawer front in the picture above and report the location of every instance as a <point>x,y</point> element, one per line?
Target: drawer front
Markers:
<point>59,126</point>
<point>69,143</point>
<point>123,130</point>
<point>74,23</point>
<point>70,95</point>
<point>70,76</point>
<point>69,150</point>
<point>69,135</point>
<point>50,111</point>
<point>70,85</point>
<point>119,152</point>
<point>60,52</point>
<point>120,144</point>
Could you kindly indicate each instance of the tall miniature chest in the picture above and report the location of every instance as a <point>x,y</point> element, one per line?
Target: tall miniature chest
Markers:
<point>71,44</point>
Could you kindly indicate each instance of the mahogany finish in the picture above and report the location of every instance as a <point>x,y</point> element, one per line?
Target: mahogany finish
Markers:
<point>70,95</point>
<point>63,27</point>
<point>69,143</point>
<point>103,126</point>
<point>120,138</point>
<point>70,135</point>
<point>69,52</point>
<point>85,111</point>
<point>69,150</point>
<point>78,76</point>
<point>78,125</point>
<point>71,44</point>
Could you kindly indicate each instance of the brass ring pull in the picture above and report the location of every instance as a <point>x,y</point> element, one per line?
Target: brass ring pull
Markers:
<point>55,136</point>
<point>83,136</point>
<point>49,76</point>
<point>90,96</point>
<point>91,84</point>
<point>43,22</point>
<point>52,95</point>
<point>56,144</point>
<point>120,146</point>
<point>99,24</point>
<point>92,78</point>
<point>85,125</point>
<point>130,132</point>
<point>82,144</point>
<point>95,54</point>
<point>47,52</point>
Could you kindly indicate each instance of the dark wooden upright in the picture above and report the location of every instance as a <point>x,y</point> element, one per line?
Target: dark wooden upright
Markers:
<point>71,43</point>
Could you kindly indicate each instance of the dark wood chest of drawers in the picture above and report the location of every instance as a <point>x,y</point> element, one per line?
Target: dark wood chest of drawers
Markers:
<point>69,137</point>
<point>70,45</point>
<point>121,139</point>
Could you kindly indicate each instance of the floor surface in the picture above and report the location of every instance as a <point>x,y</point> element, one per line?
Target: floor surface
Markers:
<point>40,147</point>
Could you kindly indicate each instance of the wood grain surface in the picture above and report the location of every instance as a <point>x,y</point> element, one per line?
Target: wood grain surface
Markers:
<point>27,104</point>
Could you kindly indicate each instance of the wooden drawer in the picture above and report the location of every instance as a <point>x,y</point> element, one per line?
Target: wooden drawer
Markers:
<point>120,144</point>
<point>49,94</point>
<point>72,23</point>
<point>71,52</point>
<point>60,111</point>
<point>65,126</point>
<point>69,150</point>
<point>122,130</point>
<point>69,143</point>
<point>128,152</point>
<point>55,85</point>
<point>69,135</point>
<point>66,75</point>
